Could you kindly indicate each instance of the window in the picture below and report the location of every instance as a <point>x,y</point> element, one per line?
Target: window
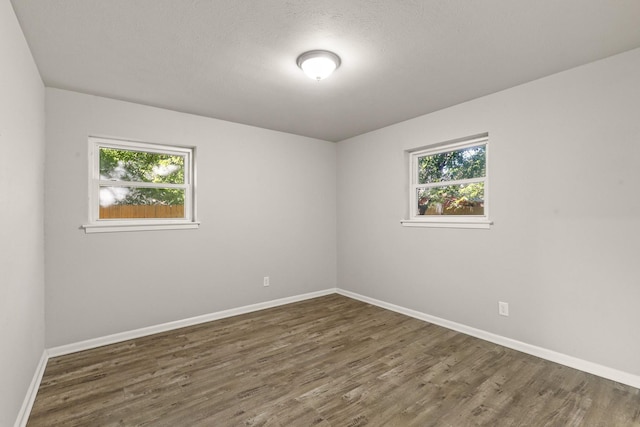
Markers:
<point>449,185</point>
<point>137,186</point>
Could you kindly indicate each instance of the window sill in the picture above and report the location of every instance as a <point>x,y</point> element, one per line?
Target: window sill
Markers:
<point>119,228</point>
<point>448,223</point>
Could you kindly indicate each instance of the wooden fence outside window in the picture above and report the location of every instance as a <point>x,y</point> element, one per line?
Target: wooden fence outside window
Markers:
<point>141,211</point>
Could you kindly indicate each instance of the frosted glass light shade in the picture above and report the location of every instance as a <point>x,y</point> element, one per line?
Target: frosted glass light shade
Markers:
<point>318,64</point>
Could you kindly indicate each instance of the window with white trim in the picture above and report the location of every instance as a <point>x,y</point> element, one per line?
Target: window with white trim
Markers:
<point>449,185</point>
<point>137,186</point>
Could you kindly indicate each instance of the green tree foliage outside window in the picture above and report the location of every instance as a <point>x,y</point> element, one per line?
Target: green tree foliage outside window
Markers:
<point>118,165</point>
<point>450,198</point>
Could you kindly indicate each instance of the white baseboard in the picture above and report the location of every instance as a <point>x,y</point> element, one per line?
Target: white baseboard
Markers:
<point>553,356</point>
<point>32,391</point>
<point>164,327</point>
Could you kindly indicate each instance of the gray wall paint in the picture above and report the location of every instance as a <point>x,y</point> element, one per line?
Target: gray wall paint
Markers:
<point>21,215</point>
<point>564,249</point>
<point>266,200</point>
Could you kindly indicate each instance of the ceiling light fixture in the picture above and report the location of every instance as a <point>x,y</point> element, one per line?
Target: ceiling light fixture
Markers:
<point>318,64</point>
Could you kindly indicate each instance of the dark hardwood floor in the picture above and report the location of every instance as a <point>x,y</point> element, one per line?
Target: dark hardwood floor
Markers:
<point>330,361</point>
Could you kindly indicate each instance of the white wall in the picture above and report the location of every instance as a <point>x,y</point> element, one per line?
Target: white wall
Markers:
<point>564,175</point>
<point>21,215</point>
<point>266,200</point>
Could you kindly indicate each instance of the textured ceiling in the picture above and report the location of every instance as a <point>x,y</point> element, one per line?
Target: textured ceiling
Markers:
<point>236,59</point>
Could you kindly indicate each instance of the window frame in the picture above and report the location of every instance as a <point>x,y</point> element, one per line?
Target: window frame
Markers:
<point>446,221</point>
<point>106,225</point>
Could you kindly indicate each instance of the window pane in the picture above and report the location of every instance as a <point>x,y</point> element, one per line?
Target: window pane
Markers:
<point>465,199</point>
<point>453,165</point>
<point>138,166</point>
<point>133,202</point>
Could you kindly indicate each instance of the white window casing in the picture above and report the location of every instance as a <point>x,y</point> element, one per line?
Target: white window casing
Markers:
<point>96,182</point>
<point>447,221</point>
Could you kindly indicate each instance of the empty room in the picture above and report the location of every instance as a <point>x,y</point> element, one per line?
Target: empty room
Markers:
<point>329,213</point>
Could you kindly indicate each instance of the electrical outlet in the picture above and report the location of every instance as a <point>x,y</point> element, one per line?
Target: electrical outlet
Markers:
<point>503,308</point>
<point>265,281</point>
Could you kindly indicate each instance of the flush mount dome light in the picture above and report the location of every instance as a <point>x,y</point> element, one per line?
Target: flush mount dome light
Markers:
<point>318,64</point>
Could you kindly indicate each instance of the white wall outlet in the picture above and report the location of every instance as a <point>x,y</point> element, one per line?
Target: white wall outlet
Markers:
<point>265,281</point>
<point>503,308</point>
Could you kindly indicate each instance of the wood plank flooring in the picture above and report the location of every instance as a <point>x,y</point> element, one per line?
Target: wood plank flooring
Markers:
<point>329,361</point>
